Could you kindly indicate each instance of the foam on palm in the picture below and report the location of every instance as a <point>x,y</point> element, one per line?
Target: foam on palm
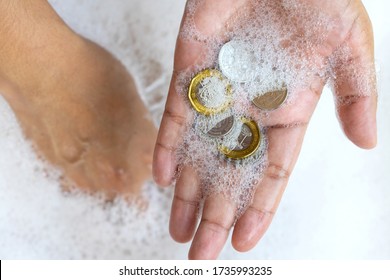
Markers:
<point>281,43</point>
<point>212,92</point>
<point>38,220</point>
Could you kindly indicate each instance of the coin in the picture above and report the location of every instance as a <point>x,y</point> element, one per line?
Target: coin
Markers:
<point>248,141</point>
<point>217,126</point>
<point>271,100</point>
<point>209,92</point>
<point>222,128</point>
<point>238,62</point>
<point>244,139</point>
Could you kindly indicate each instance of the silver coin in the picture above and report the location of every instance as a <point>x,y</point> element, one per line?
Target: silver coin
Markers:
<point>244,139</point>
<point>222,128</point>
<point>237,61</point>
<point>271,100</point>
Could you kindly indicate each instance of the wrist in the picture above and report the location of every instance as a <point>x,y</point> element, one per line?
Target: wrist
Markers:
<point>27,25</point>
<point>32,37</point>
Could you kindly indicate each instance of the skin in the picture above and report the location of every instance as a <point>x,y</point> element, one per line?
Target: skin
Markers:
<point>75,101</point>
<point>286,128</point>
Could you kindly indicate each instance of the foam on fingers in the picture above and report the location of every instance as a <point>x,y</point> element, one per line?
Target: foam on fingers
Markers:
<point>263,46</point>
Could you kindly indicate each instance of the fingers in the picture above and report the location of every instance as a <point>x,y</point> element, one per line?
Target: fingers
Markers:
<point>355,86</point>
<point>213,231</point>
<point>185,206</point>
<point>284,147</point>
<point>219,214</point>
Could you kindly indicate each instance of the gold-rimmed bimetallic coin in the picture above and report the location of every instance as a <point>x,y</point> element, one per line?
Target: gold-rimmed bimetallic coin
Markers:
<point>249,141</point>
<point>271,100</point>
<point>210,93</point>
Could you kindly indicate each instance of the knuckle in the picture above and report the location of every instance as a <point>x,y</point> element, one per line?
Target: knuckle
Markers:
<point>190,202</point>
<point>291,125</point>
<point>349,100</point>
<point>216,226</point>
<point>71,153</point>
<point>277,172</point>
<point>163,146</point>
<point>174,117</point>
<point>260,213</point>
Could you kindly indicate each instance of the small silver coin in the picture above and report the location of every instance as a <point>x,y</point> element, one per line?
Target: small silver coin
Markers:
<point>238,62</point>
<point>222,128</point>
<point>244,139</point>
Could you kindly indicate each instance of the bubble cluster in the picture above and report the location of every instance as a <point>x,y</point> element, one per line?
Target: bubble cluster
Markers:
<point>38,220</point>
<point>264,46</point>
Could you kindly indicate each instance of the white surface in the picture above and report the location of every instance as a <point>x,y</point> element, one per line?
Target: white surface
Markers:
<point>336,205</point>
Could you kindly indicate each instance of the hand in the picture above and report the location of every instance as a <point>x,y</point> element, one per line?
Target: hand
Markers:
<point>356,108</point>
<point>75,101</point>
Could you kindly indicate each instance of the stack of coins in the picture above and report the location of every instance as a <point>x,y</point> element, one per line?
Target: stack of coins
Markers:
<point>210,94</point>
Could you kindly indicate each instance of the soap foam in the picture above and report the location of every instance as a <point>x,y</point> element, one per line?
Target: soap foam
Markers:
<point>40,221</point>
<point>286,39</point>
<point>37,220</point>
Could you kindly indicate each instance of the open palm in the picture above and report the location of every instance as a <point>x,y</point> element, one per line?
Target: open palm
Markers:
<point>356,108</point>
